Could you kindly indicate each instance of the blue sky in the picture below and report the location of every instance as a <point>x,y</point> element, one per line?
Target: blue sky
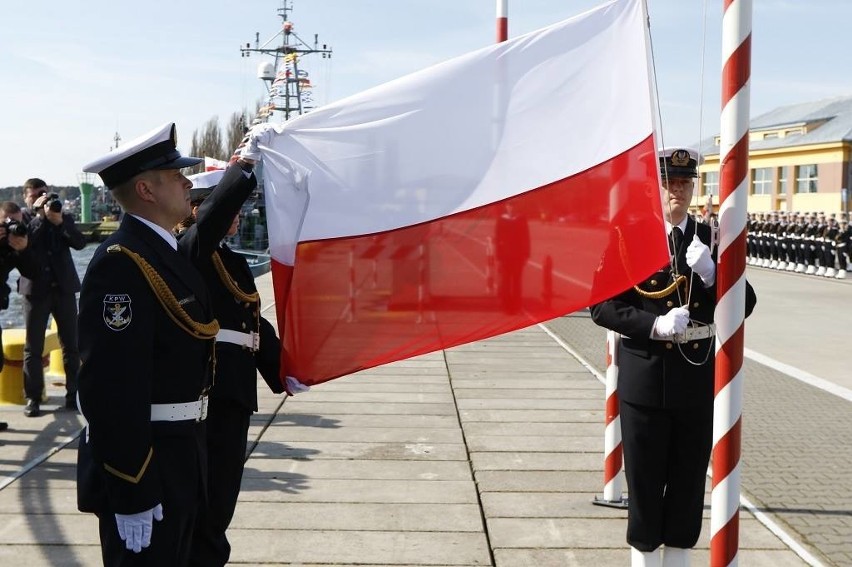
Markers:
<point>72,73</point>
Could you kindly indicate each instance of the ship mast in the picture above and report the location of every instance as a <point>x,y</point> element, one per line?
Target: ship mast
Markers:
<point>288,86</point>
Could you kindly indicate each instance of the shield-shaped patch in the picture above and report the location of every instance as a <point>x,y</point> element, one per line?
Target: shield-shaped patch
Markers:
<point>117,312</point>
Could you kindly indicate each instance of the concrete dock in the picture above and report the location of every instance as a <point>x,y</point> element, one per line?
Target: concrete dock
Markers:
<point>487,454</point>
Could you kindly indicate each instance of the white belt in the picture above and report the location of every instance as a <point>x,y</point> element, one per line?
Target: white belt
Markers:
<point>695,333</point>
<point>196,410</point>
<point>250,340</point>
<point>690,334</point>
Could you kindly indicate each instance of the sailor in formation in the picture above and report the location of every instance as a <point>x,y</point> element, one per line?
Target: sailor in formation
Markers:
<point>806,243</point>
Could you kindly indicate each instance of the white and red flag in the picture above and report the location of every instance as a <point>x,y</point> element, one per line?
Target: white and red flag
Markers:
<point>212,164</point>
<point>493,191</point>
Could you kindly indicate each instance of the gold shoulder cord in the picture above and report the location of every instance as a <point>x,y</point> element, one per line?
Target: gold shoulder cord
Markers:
<point>167,299</point>
<point>680,279</point>
<point>235,290</point>
<point>671,288</point>
<point>230,284</point>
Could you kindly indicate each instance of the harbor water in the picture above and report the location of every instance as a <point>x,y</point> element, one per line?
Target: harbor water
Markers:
<point>14,316</point>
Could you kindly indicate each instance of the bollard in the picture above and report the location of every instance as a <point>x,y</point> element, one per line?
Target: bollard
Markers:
<point>613,461</point>
<point>12,376</point>
<point>56,367</point>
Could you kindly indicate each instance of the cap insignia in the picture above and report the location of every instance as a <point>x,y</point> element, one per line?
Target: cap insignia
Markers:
<point>680,158</point>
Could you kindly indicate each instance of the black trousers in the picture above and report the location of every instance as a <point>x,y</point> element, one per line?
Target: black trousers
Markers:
<point>666,452</point>
<point>172,536</point>
<point>63,307</point>
<point>227,435</point>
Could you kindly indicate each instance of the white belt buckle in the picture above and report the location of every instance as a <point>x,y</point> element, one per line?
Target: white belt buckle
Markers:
<point>202,414</point>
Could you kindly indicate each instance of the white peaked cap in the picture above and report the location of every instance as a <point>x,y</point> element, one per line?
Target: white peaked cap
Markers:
<point>204,183</point>
<point>155,150</point>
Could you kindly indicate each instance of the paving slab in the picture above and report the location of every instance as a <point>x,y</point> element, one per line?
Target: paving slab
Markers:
<point>362,516</point>
<point>372,469</point>
<point>393,548</point>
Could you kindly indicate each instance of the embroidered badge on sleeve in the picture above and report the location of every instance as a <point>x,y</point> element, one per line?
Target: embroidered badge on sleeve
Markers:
<point>117,312</point>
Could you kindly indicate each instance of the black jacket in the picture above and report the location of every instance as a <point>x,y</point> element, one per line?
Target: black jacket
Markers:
<point>134,355</point>
<point>236,366</point>
<point>656,373</point>
<point>51,245</point>
<point>9,260</point>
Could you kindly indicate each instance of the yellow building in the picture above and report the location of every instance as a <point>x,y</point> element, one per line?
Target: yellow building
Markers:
<point>800,159</point>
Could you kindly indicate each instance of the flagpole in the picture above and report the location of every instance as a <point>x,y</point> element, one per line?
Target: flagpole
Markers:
<point>730,309</point>
<point>502,20</point>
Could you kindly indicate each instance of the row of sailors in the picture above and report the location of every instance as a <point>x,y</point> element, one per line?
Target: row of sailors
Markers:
<point>806,243</point>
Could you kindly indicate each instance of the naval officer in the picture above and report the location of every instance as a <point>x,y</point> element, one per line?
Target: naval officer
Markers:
<point>246,344</point>
<point>146,340</point>
<point>666,374</point>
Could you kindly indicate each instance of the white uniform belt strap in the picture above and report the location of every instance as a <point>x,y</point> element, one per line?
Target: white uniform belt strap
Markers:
<point>249,340</point>
<point>696,333</point>
<point>186,411</point>
<point>691,334</point>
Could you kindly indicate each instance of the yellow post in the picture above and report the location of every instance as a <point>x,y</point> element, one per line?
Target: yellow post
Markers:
<point>12,376</point>
<point>56,369</point>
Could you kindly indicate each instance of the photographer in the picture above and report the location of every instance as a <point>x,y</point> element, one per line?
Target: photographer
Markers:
<point>33,189</point>
<point>13,254</point>
<point>51,291</point>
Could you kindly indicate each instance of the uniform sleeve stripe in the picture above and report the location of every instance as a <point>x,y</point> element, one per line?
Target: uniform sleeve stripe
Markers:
<point>127,477</point>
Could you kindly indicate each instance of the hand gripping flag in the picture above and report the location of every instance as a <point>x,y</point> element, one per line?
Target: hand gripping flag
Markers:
<point>493,191</point>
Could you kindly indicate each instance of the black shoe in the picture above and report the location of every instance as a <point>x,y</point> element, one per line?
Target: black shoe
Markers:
<point>3,426</point>
<point>32,408</point>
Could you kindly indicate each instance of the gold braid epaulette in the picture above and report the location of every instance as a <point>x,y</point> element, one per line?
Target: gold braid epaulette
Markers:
<point>663,292</point>
<point>230,284</point>
<point>167,299</point>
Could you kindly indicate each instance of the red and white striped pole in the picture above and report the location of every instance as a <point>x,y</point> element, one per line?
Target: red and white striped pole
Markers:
<point>730,282</point>
<point>502,20</point>
<point>613,461</point>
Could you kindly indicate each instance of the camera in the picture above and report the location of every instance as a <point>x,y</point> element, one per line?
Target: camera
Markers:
<point>15,228</point>
<point>53,202</point>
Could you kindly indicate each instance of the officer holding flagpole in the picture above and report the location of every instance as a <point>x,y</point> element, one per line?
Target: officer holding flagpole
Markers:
<point>666,376</point>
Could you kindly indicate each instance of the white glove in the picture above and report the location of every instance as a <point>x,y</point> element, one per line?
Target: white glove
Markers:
<point>259,134</point>
<point>672,323</point>
<point>135,529</point>
<point>698,258</point>
<point>292,386</point>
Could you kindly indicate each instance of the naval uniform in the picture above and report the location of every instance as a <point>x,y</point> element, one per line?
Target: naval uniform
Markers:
<point>247,343</point>
<point>141,375</point>
<point>666,403</point>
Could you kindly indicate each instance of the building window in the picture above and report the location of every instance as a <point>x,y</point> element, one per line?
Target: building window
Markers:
<point>806,178</point>
<point>782,180</point>
<point>711,183</point>
<point>761,179</point>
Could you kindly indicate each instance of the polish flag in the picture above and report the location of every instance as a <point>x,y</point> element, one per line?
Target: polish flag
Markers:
<point>212,164</point>
<point>500,189</point>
